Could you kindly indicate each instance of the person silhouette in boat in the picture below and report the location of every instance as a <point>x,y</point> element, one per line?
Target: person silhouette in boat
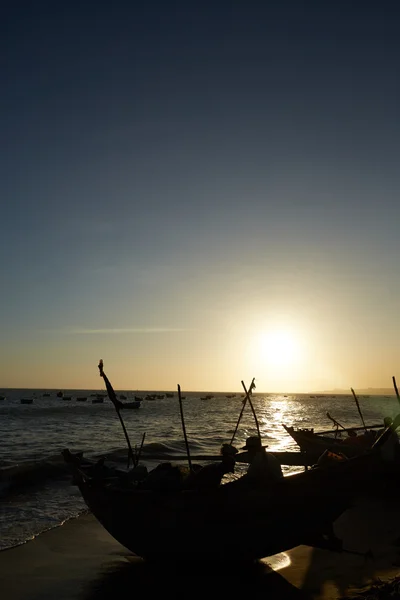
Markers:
<point>353,439</point>
<point>210,476</point>
<point>264,468</point>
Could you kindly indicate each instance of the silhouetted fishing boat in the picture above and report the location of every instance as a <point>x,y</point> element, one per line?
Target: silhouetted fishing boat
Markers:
<point>347,440</point>
<point>240,519</point>
<point>235,520</point>
<point>81,398</point>
<point>316,443</point>
<point>26,400</point>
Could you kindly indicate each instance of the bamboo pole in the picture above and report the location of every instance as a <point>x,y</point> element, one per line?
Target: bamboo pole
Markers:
<point>184,428</point>
<point>117,404</point>
<point>330,431</point>
<point>395,388</point>
<point>252,408</point>
<point>396,422</point>
<point>140,449</point>
<point>336,422</point>
<point>359,409</point>
<point>241,412</point>
<point>284,458</point>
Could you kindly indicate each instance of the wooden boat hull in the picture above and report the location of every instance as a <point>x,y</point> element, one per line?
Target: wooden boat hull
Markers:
<point>232,522</point>
<point>316,444</point>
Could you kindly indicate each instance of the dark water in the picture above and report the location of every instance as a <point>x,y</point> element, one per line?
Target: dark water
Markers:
<point>35,490</point>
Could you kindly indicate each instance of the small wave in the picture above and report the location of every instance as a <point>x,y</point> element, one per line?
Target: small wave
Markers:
<point>162,447</point>
<point>14,477</point>
<point>25,535</point>
<point>31,473</point>
<point>156,448</point>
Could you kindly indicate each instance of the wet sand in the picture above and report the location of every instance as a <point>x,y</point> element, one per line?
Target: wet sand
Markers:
<point>81,561</point>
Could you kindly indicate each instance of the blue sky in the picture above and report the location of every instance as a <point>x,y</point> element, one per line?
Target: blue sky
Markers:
<point>200,193</point>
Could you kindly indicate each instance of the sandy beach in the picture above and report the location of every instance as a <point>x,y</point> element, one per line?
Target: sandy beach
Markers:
<point>80,560</point>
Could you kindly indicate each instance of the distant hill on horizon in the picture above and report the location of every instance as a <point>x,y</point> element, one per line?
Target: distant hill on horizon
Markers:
<point>363,391</point>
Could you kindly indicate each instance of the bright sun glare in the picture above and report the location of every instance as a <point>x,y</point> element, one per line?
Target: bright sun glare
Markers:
<point>279,348</point>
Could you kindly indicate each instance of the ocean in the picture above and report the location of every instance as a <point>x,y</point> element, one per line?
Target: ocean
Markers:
<point>36,492</point>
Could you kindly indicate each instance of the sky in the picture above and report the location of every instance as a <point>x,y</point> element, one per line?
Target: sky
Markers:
<point>200,193</point>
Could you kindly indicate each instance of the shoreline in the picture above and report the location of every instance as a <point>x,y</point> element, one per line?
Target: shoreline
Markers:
<point>79,560</point>
<point>83,513</point>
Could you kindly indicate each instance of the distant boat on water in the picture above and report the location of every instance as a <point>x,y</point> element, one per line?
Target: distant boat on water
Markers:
<point>133,404</point>
<point>68,398</point>
<point>2,398</point>
<point>26,400</point>
<point>60,394</point>
<point>98,399</point>
<point>81,398</point>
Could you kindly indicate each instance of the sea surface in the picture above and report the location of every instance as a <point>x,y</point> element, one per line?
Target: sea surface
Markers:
<point>36,492</point>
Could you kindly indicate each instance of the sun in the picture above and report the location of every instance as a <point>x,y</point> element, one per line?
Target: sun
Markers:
<point>278,348</point>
